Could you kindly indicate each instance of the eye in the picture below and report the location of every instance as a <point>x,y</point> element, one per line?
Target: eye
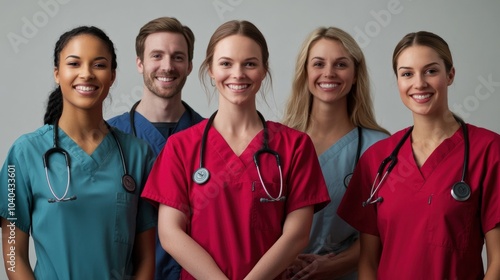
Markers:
<point>250,64</point>
<point>179,58</point>
<point>225,64</point>
<point>72,63</point>
<point>156,56</point>
<point>431,71</point>
<point>405,74</point>
<point>318,64</point>
<point>341,65</point>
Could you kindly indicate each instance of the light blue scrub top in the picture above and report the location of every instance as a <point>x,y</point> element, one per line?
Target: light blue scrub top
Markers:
<point>329,233</point>
<point>88,238</point>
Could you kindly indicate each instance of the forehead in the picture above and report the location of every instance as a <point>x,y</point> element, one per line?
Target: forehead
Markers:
<point>166,41</point>
<point>418,55</point>
<point>328,47</point>
<point>238,45</point>
<point>86,44</point>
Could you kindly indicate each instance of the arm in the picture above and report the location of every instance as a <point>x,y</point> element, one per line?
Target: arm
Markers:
<point>20,267</point>
<point>189,254</point>
<point>369,258</point>
<point>293,240</point>
<point>144,254</point>
<point>493,253</point>
<point>329,266</point>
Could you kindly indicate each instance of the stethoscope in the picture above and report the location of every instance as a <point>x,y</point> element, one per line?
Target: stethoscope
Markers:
<point>201,175</point>
<point>460,191</point>
<point>128,181</point>
<point>348,177</point>
<point>132,116</point>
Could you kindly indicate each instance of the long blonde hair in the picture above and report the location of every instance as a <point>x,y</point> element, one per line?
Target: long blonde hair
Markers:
<point>359,103</point>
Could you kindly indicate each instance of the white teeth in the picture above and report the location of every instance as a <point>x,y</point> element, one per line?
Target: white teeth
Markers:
<point>165,79</point>
<point>421,96</point>
<point>325,85</point>
<point>237,87</point>
<point>85,88</point>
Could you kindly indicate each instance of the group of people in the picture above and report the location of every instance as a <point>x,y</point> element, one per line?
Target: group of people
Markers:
<point>327,193</point>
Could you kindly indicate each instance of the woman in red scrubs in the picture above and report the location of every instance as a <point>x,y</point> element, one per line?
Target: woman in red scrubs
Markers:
<point>429,216</point>
<point>236,193</point>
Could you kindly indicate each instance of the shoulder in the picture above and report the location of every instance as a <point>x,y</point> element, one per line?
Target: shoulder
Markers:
<point>373,135</point>
<point>279,129</point>
<point>482,134</point>
<point>121,121</point>
<point>189,134</point>
<point>129,141</point>
<point>195,115</point>
<point>35,137</point>
<point>386,144</point>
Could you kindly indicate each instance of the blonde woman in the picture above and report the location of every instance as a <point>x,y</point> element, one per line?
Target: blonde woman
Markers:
<point>331,102</point>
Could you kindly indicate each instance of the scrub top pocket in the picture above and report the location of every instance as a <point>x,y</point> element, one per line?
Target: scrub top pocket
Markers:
<point>267,215</point>
<point>450,222</point>
<point>125,217</point>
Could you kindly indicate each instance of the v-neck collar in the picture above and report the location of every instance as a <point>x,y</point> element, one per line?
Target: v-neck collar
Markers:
<point>437,156</point>
<point>79,157</point>
<point>218,144</point>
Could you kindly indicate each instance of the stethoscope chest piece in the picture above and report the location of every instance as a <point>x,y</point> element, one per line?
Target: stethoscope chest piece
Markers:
<point>128,183</point>
<point>347,179</point>
<point>460,191</point>
<point>201,175</point>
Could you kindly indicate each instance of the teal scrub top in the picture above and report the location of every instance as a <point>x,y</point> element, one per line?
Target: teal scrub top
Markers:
<point>329,233</point>
<point>88,238</point>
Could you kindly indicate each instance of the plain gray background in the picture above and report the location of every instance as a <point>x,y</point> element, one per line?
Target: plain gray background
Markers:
<point>29,30</point>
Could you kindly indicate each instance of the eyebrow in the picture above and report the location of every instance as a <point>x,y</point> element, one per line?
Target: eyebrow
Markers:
<point>77,57</point>
<point>339,58</point>
<point>246,59</point>
<point>427,65</point>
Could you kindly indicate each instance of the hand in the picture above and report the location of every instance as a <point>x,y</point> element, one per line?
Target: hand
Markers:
<point>309,266</point>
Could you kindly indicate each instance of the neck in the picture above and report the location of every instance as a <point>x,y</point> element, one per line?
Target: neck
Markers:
<point>236,120</point>
<point>157,109</point>
<point>329,119</point>
<point>434,129</point>
<point>86,128</point>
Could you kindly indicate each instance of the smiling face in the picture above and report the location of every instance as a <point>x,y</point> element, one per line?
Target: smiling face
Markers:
<point>330,71</point>
<point>165,65</point>
<point>237,69</point>
<point>84,73</point>
<point>423,80</point>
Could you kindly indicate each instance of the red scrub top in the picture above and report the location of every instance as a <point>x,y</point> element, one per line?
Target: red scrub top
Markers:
<point>226,215</point>
<point>425,233</point>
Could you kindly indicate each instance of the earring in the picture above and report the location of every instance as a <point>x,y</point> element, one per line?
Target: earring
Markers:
<point>212,82</point>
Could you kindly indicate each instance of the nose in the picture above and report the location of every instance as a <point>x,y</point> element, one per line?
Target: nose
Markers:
<point>239,72</point>
<point>329,72</point>
<point>166,64</point>
<point>87,73</point>
<point>420,82</point>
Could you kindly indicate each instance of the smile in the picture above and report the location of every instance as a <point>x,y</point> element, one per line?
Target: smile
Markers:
<point>165,79</point>
<point>328,85</point>
<point>421,96</point>
<point>238,87</point>
<point>85,88</point>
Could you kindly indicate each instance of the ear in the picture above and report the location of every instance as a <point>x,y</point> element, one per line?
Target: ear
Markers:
<point>56,75</point>
<point>190,67</point>
<point>140,66</point>
<point>451,76</point>
<point>113,76</point>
